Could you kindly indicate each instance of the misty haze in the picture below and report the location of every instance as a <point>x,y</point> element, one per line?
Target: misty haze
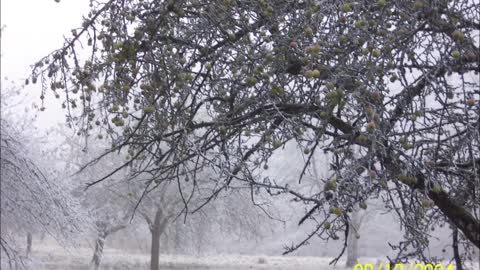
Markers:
<point>235,134</point>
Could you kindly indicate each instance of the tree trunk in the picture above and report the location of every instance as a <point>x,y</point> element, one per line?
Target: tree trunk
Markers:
<point>155,249</point>
<point>42,236</point>
<point>459,216</point>
<point>352,245</point>
<point>157,228</point>
<point>29,243</point>
<point>176,240</point>
<point>99,244</point>
<point>456,252</point>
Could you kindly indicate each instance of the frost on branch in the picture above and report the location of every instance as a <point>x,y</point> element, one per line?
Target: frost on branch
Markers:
<point>32,200</point>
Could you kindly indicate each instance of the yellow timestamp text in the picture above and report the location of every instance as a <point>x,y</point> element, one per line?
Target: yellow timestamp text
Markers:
<point>399,266</point>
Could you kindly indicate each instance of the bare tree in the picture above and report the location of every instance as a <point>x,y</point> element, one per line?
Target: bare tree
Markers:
<point>158,210</point>
<point>104,230</point>
<point>108,204</point>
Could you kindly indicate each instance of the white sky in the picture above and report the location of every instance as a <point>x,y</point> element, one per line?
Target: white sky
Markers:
<point>34,28</point>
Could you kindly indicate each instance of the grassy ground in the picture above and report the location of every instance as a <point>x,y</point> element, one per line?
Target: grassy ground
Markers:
<point>56,258</point>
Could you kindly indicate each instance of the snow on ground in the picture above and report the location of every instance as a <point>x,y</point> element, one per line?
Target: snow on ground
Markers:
<point>115,259</point>
<point>54,258</point>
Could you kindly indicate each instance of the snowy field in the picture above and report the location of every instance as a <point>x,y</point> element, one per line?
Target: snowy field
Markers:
<point>54,259</point>
<point>116,260</point>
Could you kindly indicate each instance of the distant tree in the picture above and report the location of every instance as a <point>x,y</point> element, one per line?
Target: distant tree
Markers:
<point>109,203</point>
<point>188,86</point>
<point>230,219</point>
<point>164,211</point>
<point>159,207</point>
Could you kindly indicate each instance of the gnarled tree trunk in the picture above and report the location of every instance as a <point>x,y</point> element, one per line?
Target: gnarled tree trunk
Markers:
<point>98,253</point>
<point>103,232</point>
<point>352,245</point>
<point>354,234</point>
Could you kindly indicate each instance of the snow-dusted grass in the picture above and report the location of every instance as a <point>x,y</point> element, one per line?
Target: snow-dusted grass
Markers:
<point>115,259</point>
<point>54,258</point>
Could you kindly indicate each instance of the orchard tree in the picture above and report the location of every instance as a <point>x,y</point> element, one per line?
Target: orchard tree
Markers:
<point>163,209</point>
<point>34,197</point>
<point>158,209</point>
<point>109,203</point>
<point>230,219</point>
<point>388,88</point>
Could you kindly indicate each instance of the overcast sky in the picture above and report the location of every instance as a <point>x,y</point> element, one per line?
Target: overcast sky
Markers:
<point>33,29</point>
